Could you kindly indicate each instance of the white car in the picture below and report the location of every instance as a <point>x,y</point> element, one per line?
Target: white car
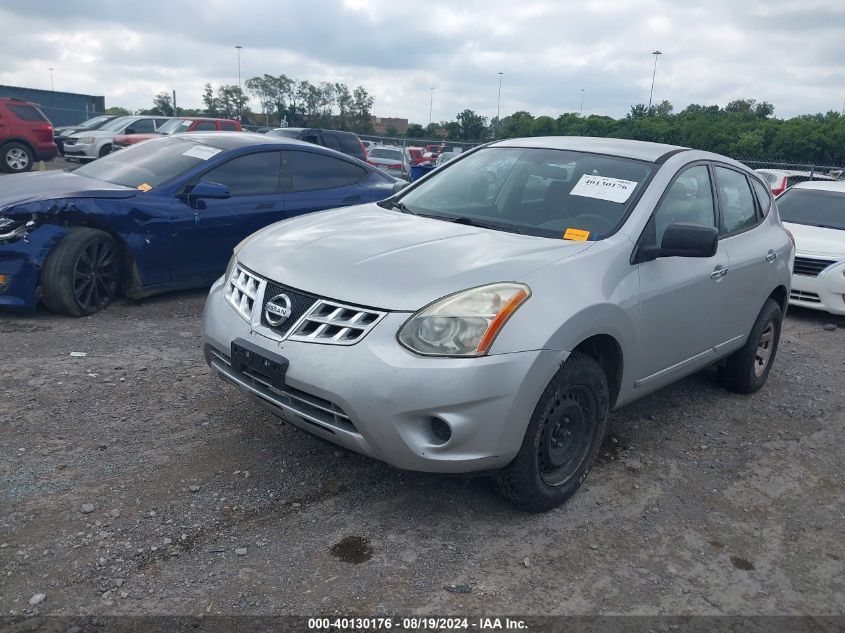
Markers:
<point>94,144</point>
<point>782,179</point>
<point>814,212</point>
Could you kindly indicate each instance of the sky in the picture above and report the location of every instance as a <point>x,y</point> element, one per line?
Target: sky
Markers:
<point>789,53</point>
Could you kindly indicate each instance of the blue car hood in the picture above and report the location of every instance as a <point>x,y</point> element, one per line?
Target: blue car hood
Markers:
<point>18,189</point>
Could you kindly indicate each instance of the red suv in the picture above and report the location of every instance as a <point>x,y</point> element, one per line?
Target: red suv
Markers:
<point>26,135</point>
<point>178,125</point>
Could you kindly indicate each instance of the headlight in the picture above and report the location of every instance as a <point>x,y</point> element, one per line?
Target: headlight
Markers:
<point>463,324</point>
<point>86,140</point>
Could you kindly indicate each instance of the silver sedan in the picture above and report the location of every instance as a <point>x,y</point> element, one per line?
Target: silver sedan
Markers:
<point>489,316</point>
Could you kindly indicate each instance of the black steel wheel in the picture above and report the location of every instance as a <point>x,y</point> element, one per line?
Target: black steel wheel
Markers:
<point>562,438</point>
<point>82,274</point>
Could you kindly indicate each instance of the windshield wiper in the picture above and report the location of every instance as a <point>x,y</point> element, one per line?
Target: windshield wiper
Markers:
<point>394,204</point>
<point>484,225</point>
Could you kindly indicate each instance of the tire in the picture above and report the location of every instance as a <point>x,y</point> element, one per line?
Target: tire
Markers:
<point>747,369</point>
<point>16,158</point>
<point>82,273</point>
<point>105,150</point>
<point>562,439</point>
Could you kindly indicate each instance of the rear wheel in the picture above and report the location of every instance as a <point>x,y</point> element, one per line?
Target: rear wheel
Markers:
<point>16,158</point>
<point>747,369</point>
<point>562,439</point>
<point>82,273</point>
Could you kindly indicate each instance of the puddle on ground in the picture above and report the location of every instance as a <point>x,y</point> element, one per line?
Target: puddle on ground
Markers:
<point>742,563</point>
<point>353,549</point>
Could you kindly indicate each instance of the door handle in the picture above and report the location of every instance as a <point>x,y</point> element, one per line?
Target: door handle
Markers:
<point>349,199</point>
<point>265,205</point>
<point>718,273</point>
<point>771,256</point>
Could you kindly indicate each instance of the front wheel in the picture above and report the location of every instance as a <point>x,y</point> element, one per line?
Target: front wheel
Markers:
<point>747,369</point>
<point>82,273</point>
<point>562,439</point>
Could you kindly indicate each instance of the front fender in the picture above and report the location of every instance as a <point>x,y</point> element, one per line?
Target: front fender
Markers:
<point>21,261</point>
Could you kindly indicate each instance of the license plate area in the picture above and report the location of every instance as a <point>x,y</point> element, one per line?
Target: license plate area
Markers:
<point>272,366</point>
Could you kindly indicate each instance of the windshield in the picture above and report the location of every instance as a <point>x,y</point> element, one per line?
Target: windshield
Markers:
<point>813,207</point>
<point>380,152</point>
<point>150,164</point>
<point>283,132</point>
<point>117,124</point>
<point>541,192</point>
<point>92,123</point>
<point>174,126</point>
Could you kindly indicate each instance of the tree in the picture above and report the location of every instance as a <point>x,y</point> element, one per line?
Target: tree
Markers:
<point>162,105</point>
<point>117,111</point>
<point>360,115</point>
<point>517,124</point>
<point>415,130</point>
<point>212,105</point>
<point>231,101</point>
<point>472,126</point>
<point>264,90</point>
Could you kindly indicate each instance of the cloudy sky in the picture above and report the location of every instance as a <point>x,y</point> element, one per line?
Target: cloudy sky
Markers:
<point>788,52</point>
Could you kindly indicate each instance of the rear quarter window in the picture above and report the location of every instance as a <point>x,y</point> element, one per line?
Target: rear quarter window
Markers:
<point>311,171</point>
<point>28,113</point>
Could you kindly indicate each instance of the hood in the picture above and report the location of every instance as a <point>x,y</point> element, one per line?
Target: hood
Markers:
<point>94,133</point>
<point>66,130</point>
<point>387,259</point>
<point>34,186</point>
<point>814,240</point>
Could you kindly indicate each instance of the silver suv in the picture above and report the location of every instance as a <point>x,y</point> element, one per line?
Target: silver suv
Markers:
<point>488,317</point>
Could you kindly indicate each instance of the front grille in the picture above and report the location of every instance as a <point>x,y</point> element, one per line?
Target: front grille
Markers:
<point>811,267</point>
<point>242,291</point>
<point>335,323</point>
<point>70,141</point>
<point>800,295</point>
<point>316,411</point>
<point>300,303</point>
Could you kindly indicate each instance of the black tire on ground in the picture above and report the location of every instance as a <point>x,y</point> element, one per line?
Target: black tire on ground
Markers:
<point>16,158</point>
<point>562,439</point>
<point>82,273</point>
<point>105,150</point>
<point>747,369</point>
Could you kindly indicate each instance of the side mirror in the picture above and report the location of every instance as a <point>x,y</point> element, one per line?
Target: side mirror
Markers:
<point>129,130</point>
<point>399,185</point>
<point>209,190</point>
<point>689,240</point>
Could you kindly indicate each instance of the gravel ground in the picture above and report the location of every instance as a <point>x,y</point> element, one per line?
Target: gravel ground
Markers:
<point>135,482</point>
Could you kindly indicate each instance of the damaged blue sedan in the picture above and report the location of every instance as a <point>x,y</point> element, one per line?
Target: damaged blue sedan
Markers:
<point>162,215</point>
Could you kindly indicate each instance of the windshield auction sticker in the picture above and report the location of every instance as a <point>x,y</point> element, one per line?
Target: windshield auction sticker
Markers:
<point>604,188</point>
<point>204,152</point>
<point>576,234</point>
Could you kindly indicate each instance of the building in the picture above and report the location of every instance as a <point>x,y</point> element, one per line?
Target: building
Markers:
<point>381,125</point>
<point>62,108</point>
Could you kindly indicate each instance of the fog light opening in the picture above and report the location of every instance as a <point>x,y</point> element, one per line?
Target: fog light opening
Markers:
<point>442,431</point>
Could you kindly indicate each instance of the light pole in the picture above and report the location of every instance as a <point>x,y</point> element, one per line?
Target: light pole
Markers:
<point>239,47</point>
<point>51,79</point>
<point>651,94</point>
<point>581,107</point>
<point>430,103</point>
<point>498,104</point>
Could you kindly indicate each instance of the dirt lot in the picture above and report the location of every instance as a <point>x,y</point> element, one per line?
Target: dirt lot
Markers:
<point>703,501</point>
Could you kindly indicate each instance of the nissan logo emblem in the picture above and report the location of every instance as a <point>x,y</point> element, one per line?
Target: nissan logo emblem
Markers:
<point>277,310</point>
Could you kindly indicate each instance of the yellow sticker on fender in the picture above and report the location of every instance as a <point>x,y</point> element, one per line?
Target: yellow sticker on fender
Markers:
<point>576,234</point>
<point>144,187</point>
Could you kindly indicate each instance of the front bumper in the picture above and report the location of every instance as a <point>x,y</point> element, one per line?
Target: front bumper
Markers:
<point>379,399</point>
<point>824,292</point>
<point>20,264</point>
<point>79,150</point>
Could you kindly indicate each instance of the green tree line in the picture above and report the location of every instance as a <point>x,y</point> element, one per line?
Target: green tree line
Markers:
<point>744,129</point>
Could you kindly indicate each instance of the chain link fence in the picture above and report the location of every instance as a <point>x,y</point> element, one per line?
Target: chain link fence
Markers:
<point>811,171</point>
<point>414,142</point>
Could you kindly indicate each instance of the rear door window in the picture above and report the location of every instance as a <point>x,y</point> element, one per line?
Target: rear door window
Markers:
<point>228,126</point>
<point>330,141</point>
<point>205,126</point>
<point>28,113</point>
<point>736,201</point>
<point>141,126</point>
<point>311,171</point>
<point>763,197</point>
